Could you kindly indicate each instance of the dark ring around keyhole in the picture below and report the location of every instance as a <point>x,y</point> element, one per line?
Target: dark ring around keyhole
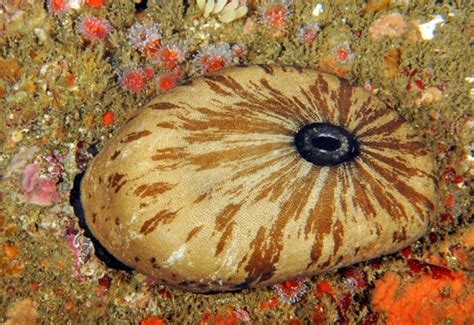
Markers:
<point>326,144</point>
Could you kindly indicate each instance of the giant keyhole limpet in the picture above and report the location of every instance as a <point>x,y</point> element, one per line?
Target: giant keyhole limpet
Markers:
<point>254,175</point>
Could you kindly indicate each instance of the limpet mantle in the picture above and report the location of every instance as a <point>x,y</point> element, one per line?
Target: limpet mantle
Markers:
<point>204,188</point>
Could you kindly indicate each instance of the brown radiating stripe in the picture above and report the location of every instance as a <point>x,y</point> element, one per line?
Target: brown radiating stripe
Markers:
<point>399,236</point>
<point>131,117</point>
<point>343,177</point>
<point>280,104</point>
<point>291,209</point>
<point>283,100</point>
<point>258,100</point>
<point>153,189</point>
<point>300,191</point>
<point>322,210</point>
<point>369,117</point>
<point>166,125</point>
<point>389,127</point>
<point>385,199</point>
<point>320,218</point>
<point>415,148</point>
<point>193,232</point>
<point>115,155</point>
<point>224,237</point>
<point>359,110</point>
<point>275,184</point>
<point>174,153</point>
<point>162,217</point>
<point>313,106</point>
<point>251,170</point>
<point>200,198</point>
<point>298,68</point>
<point>362,198</point>
<point>196,137</point>
<point>225,122</point>
<point>135,136</point>
<point>399,164</point>
<point>164,106</point>
<point>317,99</point>
<point>225,225</point>
<point>260,267</point>
<point>169,166</point>
<point>278,124</point>
<point>308,115</point>
<point>226,215</point>
<point>217,89</point>
<point>233,156</point>
<point>115,181</point>
<point>228,82</point>
<point>282,181</point>
<point>418,200</point>
<point>268,69</point>
<point>323,84</point>
<point>337,235</point>
<point>343,99</point>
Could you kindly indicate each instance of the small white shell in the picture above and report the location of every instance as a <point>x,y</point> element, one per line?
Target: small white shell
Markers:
<point>201,4</point>
<point>219,6</point>
<point>208,8</point>
<point>225,11</point>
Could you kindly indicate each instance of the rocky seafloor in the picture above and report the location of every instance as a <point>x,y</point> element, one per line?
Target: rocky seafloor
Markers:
<point>72,71</point>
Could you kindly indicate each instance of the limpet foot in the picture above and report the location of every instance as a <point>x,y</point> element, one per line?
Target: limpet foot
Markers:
<point>254,175</point>
<point>100,251</point>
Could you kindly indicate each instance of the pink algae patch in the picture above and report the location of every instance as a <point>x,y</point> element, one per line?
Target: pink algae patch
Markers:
<point>393,25</point>
<point>425,300</point>
<point>36,189</point>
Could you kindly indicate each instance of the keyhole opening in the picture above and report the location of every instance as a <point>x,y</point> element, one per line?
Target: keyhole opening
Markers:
<point>326,143</point>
